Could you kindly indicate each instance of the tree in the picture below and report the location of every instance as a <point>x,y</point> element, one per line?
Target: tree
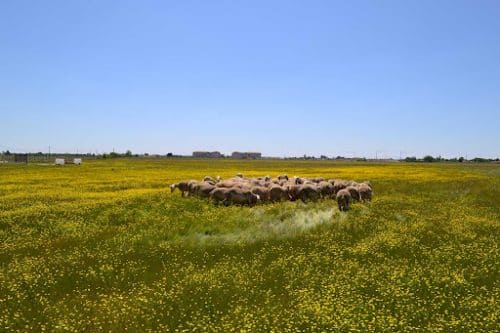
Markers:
<point>128,153</point>
<point>428,158</point>
<point>461,159</point>
<point>170,155</point>
<point>411,159</point>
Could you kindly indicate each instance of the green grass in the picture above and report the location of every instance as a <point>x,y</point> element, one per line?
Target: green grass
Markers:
<point>106,247</point>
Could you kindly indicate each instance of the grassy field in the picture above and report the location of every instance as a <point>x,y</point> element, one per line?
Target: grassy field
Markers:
<point>106,247</point>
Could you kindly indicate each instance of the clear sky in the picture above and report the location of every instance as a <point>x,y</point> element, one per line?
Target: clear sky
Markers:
<point>281,77</point>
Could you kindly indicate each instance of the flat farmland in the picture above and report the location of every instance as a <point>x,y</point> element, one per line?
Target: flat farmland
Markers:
<point>105,246</point>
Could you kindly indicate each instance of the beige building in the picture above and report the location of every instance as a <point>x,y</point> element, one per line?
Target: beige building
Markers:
<point>246,155</point>
<point>207,154</point>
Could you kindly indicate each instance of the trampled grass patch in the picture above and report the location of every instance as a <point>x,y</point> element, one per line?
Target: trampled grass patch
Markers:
<point>105,247</point>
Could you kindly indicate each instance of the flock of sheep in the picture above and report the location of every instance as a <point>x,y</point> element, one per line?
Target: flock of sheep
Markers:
<point>241,190</point>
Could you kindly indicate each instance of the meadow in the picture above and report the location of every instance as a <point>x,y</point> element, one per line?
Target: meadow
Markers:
<point>106,247</point>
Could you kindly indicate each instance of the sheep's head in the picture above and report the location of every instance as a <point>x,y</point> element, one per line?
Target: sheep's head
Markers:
<point>172,187</point>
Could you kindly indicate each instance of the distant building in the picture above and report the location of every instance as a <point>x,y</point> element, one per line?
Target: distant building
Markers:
<point>207,154</point>
<point>246,155</point>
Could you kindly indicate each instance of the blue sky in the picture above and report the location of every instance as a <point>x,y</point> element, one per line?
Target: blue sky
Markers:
<point>281,77</point>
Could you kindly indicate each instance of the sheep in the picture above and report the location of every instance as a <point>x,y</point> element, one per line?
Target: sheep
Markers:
<point>219,194</point>
<point>182,186</point>
<point>365,192</point>
<point>308,192</point>
<point>208,178</point>
<point>326,189</point>
<point>242,197</point>
<point>344,200</point>
<point>262,192</point>
<point>283,177</point>
<point>367,182</point>
<point>293,191</point>
<point>192,185</point>
<point>248,191</point>
<point>278,193</point>
<point>353,190</point>
<point>339,184</point>
<point>317,180</point>
<point>228,183</point>
<point>203,189</point>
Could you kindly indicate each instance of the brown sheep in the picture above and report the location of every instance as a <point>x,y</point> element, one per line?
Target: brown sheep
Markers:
<point>317,180</point>
<point>354,192</point>
<point>282,182</point>
<point>326,189</point>
<point>242,197</point>
<point>203,189</point>
<point>332,181</point>
<point>278,193</point>
<point>257,182</point>
<point>293,191</point>
<point>263,193</point>
<point>298,180</point>
<point>339,184</point>
<point>219,194</point>
<point>308,192</point>
<point>283,177</point>
<point>344,200</point>
<point>182,186</point>
<point>365,192</point>
<point>367,182</point>
<point>192,186</point>
<point>229,183</point>
<point>268,184</point>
